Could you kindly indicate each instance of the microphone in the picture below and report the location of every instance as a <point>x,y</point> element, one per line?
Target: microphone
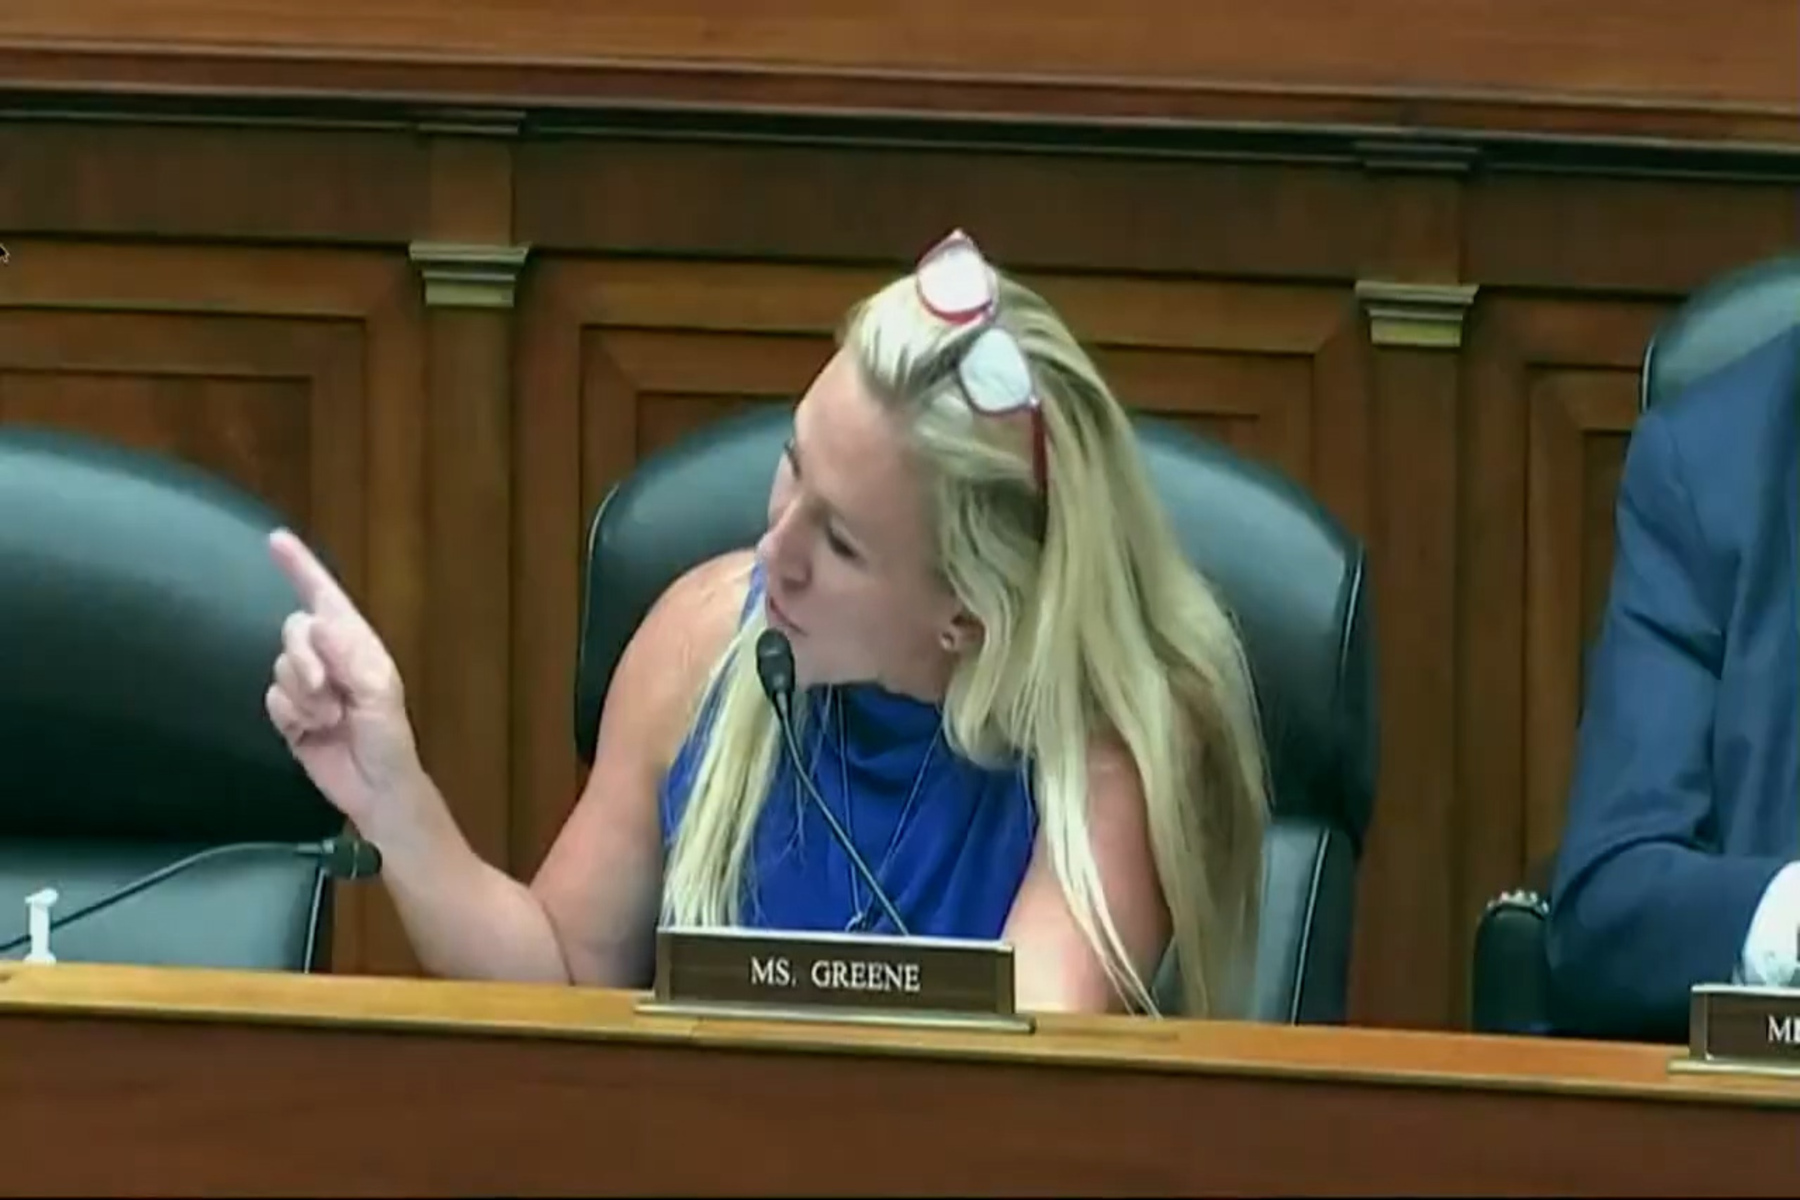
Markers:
<point>343,857</point>
<point>775,668</point>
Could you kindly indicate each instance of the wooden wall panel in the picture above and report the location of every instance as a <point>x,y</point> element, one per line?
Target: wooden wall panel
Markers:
<point>1646,66</point>
<point>1524,45</point>
<point>781,198</point>
<point>207,183</point>
<point>1570,232</point>
<point>436,332</point>
<point>1552,394</point>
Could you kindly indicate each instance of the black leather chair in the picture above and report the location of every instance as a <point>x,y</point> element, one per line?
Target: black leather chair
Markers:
<point>1730,316</point>
<point>140,615</point>
<point>1294,578</point>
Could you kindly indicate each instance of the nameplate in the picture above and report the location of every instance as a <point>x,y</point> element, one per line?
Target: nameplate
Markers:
<point>1744,1028</point>
<point>871,978</point>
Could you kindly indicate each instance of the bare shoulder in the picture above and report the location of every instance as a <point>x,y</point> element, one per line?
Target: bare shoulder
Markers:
<point>697,614</point>
<point>1056,966</point>
<point>669,658</point>
<point>1119,830</point>
<point>602,880</point>
<point>1115,786</point>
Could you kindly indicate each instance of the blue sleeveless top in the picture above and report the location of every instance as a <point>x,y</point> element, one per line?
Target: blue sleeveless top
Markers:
<point>948,840</point>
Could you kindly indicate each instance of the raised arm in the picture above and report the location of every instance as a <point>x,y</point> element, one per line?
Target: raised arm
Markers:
<point>338,699</point>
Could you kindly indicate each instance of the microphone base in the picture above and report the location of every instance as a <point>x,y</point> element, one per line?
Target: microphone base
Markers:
<point>966,1022</point>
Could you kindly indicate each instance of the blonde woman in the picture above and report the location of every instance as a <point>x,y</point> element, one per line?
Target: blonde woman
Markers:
<point>1023,707</point>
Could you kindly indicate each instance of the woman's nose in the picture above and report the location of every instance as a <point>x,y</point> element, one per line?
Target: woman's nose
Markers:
<point>780,548</point>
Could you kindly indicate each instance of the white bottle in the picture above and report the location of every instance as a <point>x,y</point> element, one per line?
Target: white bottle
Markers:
<point>37,911</point>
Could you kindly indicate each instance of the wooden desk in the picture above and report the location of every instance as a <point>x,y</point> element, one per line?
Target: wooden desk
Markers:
<point>137,1080</point>
<point>431,281</point>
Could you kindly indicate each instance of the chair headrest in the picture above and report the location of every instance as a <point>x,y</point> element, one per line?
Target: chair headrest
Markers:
<point>141,616</point>
<point>1723,321</point>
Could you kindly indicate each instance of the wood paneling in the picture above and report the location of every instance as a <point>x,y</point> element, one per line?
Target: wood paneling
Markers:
<point>435,331</point>
<point>1552,392</point>
<point>1648,67</point>
<point>1662,47</point>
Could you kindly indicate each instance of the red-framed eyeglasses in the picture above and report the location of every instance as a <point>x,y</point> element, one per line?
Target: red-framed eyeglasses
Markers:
<point>956,284</point>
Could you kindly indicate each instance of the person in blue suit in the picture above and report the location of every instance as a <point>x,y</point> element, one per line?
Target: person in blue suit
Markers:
<point>1680,863</point>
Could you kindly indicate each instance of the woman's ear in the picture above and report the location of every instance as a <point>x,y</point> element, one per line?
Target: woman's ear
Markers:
<point>962,634</point>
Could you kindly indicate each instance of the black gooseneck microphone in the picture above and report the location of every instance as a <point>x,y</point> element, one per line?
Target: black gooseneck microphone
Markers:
<point>775,667</point>
<point>343,857</point>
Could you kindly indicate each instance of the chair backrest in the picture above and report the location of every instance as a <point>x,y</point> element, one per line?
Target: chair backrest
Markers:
<point>141,615</point>
<point>1292,577</point>
<point>1722,321</point>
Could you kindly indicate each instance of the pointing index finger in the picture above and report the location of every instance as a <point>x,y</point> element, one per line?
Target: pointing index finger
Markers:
<point>318,591</point>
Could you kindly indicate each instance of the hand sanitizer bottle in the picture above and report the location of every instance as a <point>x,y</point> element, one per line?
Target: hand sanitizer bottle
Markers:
<point>38,906</point>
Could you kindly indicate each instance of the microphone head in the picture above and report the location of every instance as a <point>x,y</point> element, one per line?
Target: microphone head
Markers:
<point>351,858</point>
<point>775,664</point>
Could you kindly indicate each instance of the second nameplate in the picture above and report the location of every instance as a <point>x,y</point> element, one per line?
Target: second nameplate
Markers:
<point>863,977</point>
<point>1735,1027</point>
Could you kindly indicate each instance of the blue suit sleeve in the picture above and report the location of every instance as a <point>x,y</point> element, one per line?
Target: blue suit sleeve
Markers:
<point>1643,906</point>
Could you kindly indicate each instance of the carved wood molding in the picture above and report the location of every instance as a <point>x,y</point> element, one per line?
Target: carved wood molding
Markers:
<point>1419,316</point>
<point>278,83</point>
<point>457,275</point>
<point>1383,134</point>
<point>1402,156</point>
<point>470,122</point>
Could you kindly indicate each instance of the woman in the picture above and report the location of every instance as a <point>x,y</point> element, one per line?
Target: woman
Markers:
<point>1027,711</point>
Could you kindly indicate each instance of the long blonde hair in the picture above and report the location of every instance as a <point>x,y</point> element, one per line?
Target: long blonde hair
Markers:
<point>1093,621</point>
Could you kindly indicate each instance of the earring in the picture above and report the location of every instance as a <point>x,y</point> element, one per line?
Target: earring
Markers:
<point>947,640</point>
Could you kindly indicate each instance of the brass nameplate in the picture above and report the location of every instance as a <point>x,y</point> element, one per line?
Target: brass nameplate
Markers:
<point>1753,1029</point>
<point>864,977</point>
